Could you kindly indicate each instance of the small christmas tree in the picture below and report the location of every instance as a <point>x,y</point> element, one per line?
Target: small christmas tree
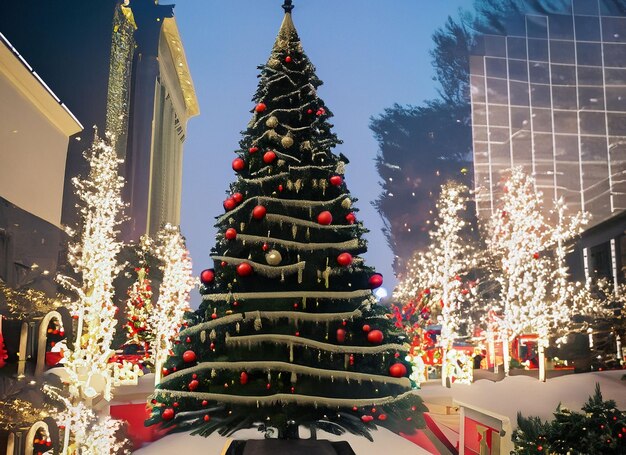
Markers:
<point>139,308</point>
<point>289,332</point>
<point>601,429</point>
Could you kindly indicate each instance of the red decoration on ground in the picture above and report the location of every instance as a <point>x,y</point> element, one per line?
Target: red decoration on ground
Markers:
<point>269,157</point>
<point>375,337</point>
<point>341,336</point>
<point>288,59</point>
<point>193,385</point>
<point>207,276</point>
<point>344,259</point>
<point>168,414</point>
<point>325,218</point>
<point>229,204</point>
<point>260,107</point>
<point>238,165</point>
<point>230,234</point>
<point>366,328</point>
<point>189,356</point>
<point>237,197</point>
<point>375,281</point>
<point>259,212</point>
<point>243,378</point>
<point>244,269</point>
<point>336,180</point>
<point>253,149</point>
<point>350,218</point>
<point>397,370</point>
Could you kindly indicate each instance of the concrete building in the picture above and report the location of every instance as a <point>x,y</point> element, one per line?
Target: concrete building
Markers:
<point>549,94</point>
<point>120,66</point>
<point>34,134</point>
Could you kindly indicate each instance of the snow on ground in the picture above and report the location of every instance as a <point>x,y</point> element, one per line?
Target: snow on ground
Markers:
<point>182,443</point>
<point>528,395</point>
<point>506,397</point>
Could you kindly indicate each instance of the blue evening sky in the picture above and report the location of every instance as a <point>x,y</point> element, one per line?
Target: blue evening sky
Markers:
<point>369,53</point>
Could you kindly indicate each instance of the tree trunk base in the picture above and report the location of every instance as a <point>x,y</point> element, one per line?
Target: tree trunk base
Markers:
<point>288,447</point>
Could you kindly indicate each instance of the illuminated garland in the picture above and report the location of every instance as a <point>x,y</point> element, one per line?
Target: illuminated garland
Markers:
<point>18,412</point>
<point>26,303</point>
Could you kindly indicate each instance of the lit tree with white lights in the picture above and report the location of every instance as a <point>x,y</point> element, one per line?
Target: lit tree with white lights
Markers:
<point>93,255</point>
<point>166,317</point>
<point>536,293</point>
<point>440,272</point>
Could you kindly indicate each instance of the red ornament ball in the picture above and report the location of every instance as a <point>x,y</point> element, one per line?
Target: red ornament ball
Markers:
<point>309,111</point>
<point>207,418</point>
<point>536,255</point>
<point>229,204</point>
<point>237,197</point>
<point>188,340</point>
<point>259,212</point>
<point>253,149</point>
<point>207,276</point>
<point>243,378</point>
<point>265,247</point>
<point>375,281</point>
<point>366,328</point>
<point>244,269</point>
<point>168,414</point>
<point>350,218</point>
<point>341,336</point>
<point>367,418</point>
<point>397,370</point>
<point>344,259</point>
<point>336,180</point>
<point>193,385</point>
<point>382,417</point>
<point>205,402</point>
<point>189,356</point>
<point>288,59</point>
<point>230,234</point>
<point>260,107</point>
<point>269,157</point>
<point>325,218</point>
<point>238,165</point>
<point>375,337</point>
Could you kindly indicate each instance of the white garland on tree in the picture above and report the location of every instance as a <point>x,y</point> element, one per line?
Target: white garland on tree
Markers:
<point>93,255</point>
<point>167,316</point>
<point>441,268</point>
<point>536,292</point>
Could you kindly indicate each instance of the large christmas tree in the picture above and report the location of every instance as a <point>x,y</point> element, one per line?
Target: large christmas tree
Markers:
<point>289,332</point>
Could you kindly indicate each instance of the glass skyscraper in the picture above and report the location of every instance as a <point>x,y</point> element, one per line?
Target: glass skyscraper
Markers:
<point>549,94</point>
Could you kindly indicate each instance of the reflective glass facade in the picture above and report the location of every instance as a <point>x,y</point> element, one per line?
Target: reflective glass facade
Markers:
<point>550,96</point>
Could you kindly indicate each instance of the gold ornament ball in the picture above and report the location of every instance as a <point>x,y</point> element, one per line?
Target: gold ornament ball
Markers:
<point>273,257</point>
<point>287,141</point>
<point>272,122</point>
<point>346,203</point>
